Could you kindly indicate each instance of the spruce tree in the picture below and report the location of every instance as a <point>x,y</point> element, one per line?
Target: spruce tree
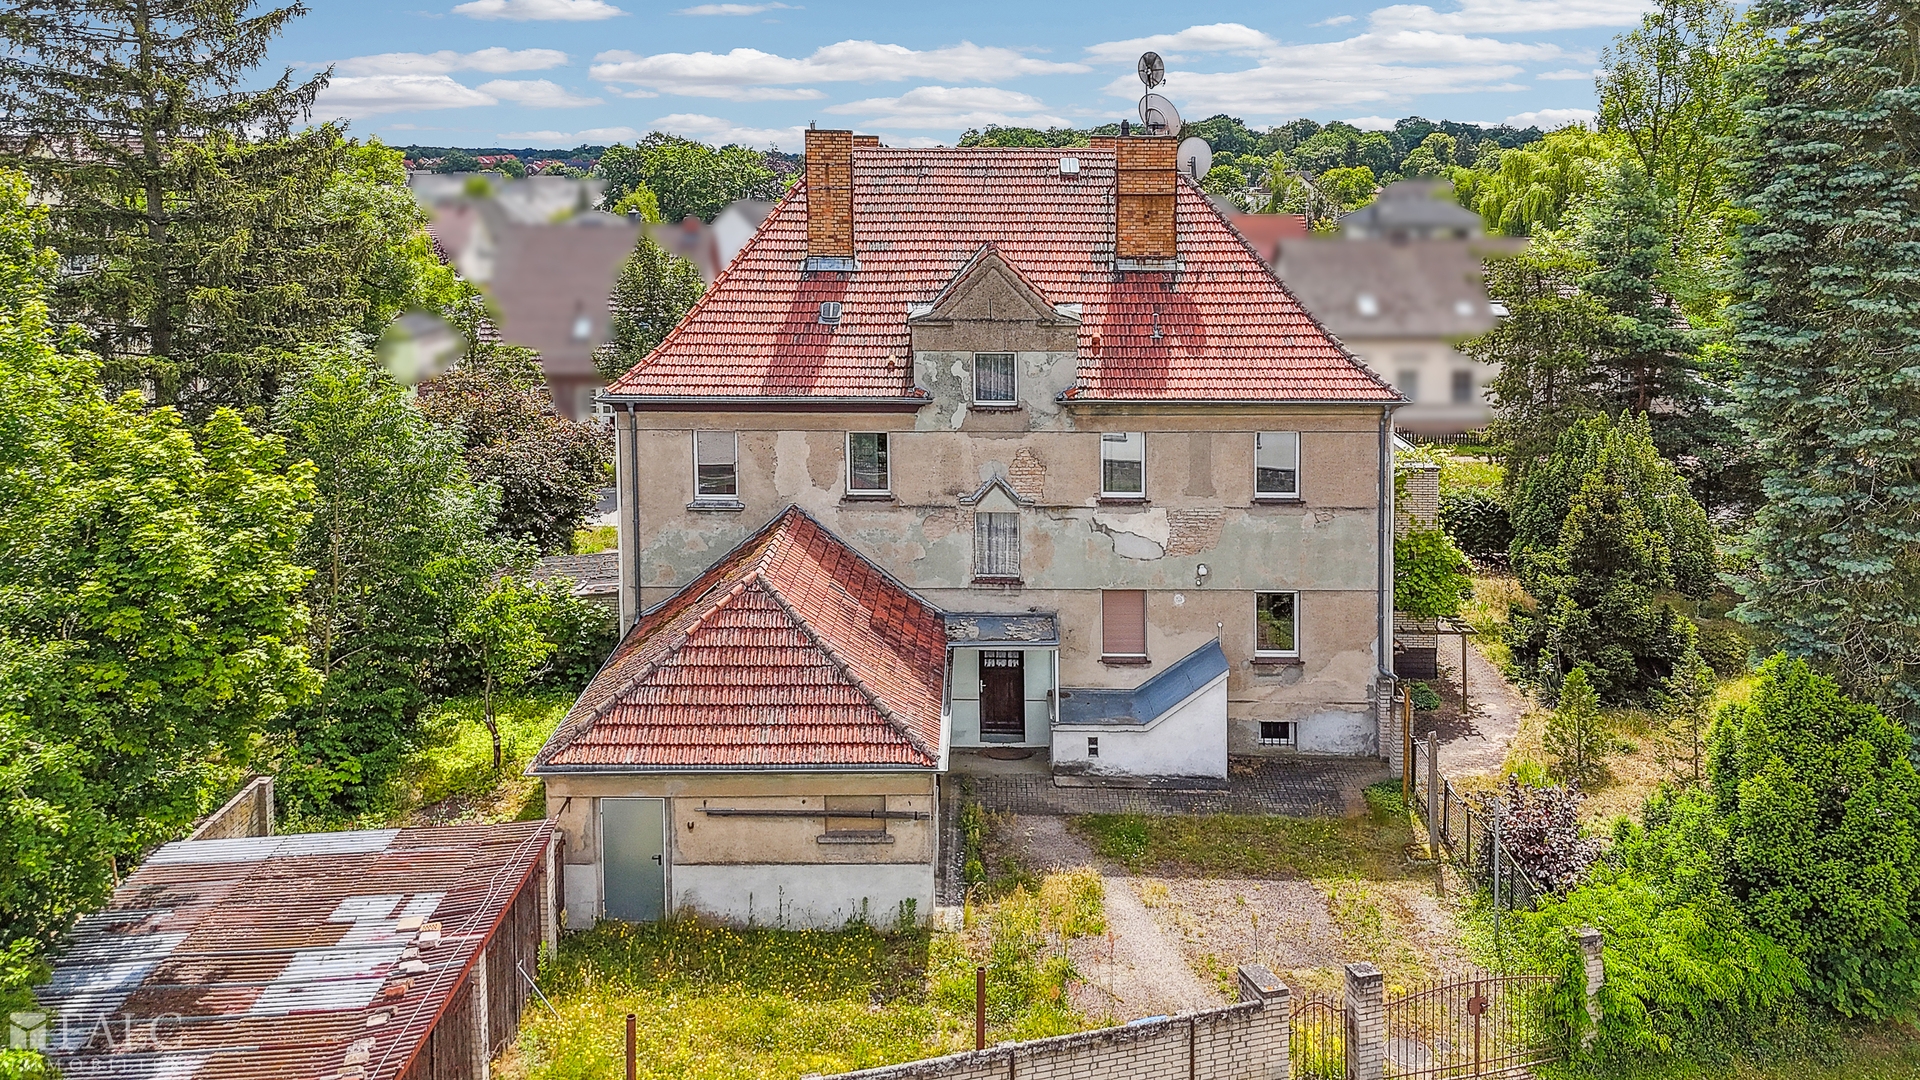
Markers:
<point>181,201</point>
<point>1827,318</point>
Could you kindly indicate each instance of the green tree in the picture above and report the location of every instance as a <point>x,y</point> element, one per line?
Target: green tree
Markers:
<point>457,161</point>
<point>641,199</point>
<point>399,547</point>
<point>502,630</point>
<point>1223,180</point>
<point>654,291</point>
<point>1542,351</point>
<point>1430,575</point>
<point>1433,157</point>
<point>1827,325</point>
<point>184,199</point>
<point>689,179</point>
<point>1532,188</point>
<point>1822,806</point>
<point>548,469</point>
<point>381,237</point>
<point>1348,189</point>
<point>1689,716</point>
<point>150,614</point>
<point>1577,737</point>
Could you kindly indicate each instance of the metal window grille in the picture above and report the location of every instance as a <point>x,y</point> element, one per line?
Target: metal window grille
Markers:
<point>996,545</point>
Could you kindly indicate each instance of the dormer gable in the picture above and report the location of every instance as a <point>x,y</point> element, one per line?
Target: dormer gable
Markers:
<point>991,306</point>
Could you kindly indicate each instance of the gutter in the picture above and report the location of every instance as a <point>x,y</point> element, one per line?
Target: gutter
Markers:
<point>1363,403</point>
<point>697,770</point>
<point>767,403</point>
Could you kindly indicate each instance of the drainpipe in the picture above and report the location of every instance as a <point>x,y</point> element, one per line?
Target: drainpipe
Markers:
<point>1385,510</point>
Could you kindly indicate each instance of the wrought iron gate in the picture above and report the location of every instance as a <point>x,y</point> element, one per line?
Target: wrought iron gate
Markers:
<point>1481,1025</point>
<point>1318,1043</point>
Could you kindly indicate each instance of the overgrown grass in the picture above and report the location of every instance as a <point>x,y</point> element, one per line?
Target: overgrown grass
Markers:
<point>715,1001</point>
<point>451,778</point>
<point>592,541</point>
<point>1486,611</point>
<point>1468,467</point>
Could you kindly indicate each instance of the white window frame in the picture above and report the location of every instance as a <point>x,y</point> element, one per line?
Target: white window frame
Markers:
<point>983,529</point>
<point>1258,608</point>
<point>724,500</point>
<point>1106,440</point>
<point>1291,738</point>
<point>1013,369</point>
<point>1259,494</point>
<point>886,464</point>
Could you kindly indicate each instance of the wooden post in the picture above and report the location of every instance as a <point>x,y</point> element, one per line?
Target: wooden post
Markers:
<point>633,1062</point>
<point>1406,750</point>
<point>1463,672</point>
<point>979,1009</point>
<point>1433,793</point>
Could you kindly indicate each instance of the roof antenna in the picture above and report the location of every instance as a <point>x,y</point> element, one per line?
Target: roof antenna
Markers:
<point>1157,114</point>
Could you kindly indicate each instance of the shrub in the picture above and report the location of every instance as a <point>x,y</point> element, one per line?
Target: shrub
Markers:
<point>1425,698</point>
<point>1476,519</point>
<point>1540,829</point>
<point>1429,574</point>
<point>1725,649</point>
<point>1576,736</point>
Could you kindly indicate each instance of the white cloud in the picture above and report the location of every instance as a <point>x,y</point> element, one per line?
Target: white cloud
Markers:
<point>952,107</point>
<point>1373,123</point>
<point>1372,68</point>
<point>1337,20</point>
<point>752,75</point>
<point>539,10</point>
<point>733,9</point>
<point>375,94</point>
<point>1219,37</point>
<point>630,92</point>
<point>591,136</point>
<point>496,59</point>
<point>537,94</point>
<point>1568,74</point>
<point>1512,16</point>
<point>1548,119</point>
<point>719,132</point>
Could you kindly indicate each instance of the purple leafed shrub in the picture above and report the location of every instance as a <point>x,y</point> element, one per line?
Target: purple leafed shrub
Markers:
<point>1541,832</point>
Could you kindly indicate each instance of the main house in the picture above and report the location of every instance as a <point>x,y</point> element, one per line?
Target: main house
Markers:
<point>968,451</point>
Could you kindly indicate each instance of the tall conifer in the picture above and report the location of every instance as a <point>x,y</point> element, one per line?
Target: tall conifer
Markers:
<point>1828,325</point>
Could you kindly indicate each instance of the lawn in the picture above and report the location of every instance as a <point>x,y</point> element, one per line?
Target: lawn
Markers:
<point>451,780</point>
<point>715,1001</point>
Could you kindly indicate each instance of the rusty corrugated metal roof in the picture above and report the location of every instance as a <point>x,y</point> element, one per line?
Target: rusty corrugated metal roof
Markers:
<point>316,955</point>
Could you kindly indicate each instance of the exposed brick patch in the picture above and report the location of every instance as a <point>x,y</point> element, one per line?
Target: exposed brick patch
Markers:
<point>1191,532</point>
<point>1028,475</point>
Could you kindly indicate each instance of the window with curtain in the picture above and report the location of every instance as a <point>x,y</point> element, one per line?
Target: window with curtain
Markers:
<point>1123,623</point>
<point>1276,464</point>
<point>994,382</point>
<point>996,545</point>
<point>1123,464</point>
<point>867,472</point>
<point>715,478</point>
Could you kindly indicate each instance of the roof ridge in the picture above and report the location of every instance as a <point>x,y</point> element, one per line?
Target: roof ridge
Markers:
<point>845,671</point>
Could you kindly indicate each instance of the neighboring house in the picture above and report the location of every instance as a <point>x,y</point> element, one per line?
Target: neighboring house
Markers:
<point>1402,285</point>
<point>1044,424</point>
<point>595,578</point>
<point>548,261</point>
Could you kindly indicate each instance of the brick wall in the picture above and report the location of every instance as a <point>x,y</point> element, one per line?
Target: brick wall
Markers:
<point>830,194</point>
<point>1418,501</point>
<point>1247,1041</point>
<point>250,813</point>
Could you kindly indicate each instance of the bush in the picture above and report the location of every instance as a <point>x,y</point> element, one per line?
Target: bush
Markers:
<point>1725,649</point>
<point>1476,519</point>
<point>1425,698</point>
<point>1429,574</point>
<point>1576,736</point>
<point>1541,831</point>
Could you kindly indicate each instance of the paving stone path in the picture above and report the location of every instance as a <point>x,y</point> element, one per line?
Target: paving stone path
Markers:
<point>1295,787</point>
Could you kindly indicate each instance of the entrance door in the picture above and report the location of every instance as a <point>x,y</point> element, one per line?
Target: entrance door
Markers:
<point>633,837</point>
<point>1003,692</point>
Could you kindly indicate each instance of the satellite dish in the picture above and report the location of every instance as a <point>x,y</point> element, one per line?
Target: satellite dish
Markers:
<point>1196,157</point>
<point>1153,70</point>
<point>1158,115</point>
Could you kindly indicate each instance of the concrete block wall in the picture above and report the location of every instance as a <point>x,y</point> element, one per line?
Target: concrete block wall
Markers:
<point>250,813</point>
<point>1248,1041</point>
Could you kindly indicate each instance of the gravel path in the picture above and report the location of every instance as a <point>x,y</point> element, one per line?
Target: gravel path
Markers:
<point>1478,747</point>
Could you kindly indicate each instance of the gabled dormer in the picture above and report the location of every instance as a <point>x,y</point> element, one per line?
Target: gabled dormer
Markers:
<point>991,306</point>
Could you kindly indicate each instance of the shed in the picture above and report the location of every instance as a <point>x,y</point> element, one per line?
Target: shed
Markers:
<point>397,954</point>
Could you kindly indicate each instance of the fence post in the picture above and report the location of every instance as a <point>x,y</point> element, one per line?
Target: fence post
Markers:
<point>1592,949</point>
<point>1366,1023</point>
<point>1273,1047</point>
<point>1433,793</point>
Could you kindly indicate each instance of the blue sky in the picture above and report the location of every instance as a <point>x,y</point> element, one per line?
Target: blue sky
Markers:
<point>562,72</point>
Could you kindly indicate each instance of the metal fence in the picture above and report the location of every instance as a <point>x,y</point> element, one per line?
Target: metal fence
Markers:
<point>1469,837</point>
<point>1476,1026</point>
<point>1317,1045</point>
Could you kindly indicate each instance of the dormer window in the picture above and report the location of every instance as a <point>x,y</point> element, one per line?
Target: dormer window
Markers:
<point>830,312</point>
<point>994,381</point>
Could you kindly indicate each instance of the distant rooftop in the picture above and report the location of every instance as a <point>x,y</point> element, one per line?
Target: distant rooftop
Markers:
<point>1412,210</point>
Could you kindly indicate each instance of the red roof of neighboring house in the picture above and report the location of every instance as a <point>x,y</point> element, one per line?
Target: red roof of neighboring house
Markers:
<point>1222,328</point>
<point>793,651</point>
<point>1266,231</point>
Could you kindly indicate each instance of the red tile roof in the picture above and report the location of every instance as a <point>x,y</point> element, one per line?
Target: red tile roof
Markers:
<point>793,651</point>
<point>1223,328</point>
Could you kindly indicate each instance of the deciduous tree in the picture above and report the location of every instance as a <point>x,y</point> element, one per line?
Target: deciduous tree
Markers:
<point>690,179</point>
<point>502,630</point>
<point>654,291</point>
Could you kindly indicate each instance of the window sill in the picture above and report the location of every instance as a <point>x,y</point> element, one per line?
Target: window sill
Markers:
<point>1276,662</point>
<point>997,582</point>
<point>853,838</point>
<point>716,505</point>
<point>996,406</point>
<point>867,497</point>
<point>1126,661</point>
<point>1123,500</point>
<point>1278,499</point>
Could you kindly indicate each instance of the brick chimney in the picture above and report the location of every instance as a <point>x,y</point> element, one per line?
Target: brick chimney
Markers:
<point>830,194</point>
<point>1146,175</point>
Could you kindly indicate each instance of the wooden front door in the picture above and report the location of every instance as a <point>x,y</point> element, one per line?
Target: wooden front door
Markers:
<point>1003,692</point>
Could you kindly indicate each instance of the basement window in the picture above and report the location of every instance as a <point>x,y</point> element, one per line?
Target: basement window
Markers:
<point>1276,732</point>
